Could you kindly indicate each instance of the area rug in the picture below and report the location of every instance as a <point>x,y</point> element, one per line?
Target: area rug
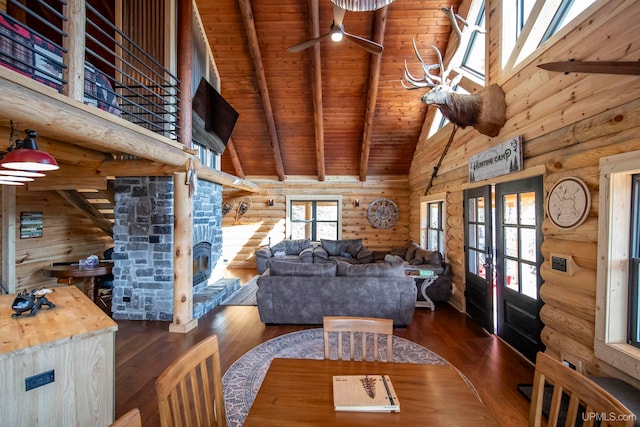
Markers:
<point>243,379</point>
<point>246,295</point>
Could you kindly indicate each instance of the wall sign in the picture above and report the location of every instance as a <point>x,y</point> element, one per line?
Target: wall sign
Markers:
<point>30,225</point>
<point>499,160</point>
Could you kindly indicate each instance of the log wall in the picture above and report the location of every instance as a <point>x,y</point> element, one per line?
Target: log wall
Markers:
<point>67,236</point>
<point>262,221</point>
<point>567,123</point>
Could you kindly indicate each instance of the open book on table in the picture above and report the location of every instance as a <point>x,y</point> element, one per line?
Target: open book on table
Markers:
<point>368,393</point>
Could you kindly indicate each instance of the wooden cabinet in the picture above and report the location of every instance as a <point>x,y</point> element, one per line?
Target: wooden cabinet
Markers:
<point>75,340</point>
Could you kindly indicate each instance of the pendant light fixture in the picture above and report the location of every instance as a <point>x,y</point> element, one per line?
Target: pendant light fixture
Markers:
<point>14,172</point>
<point>27,157</point>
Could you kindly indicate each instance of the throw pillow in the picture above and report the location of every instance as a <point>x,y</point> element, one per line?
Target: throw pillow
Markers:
<point>334,247</point>
<point>283,268</point>
<point>411,252</point>
<point>345,255</point>
<point>393,259</point>
<point>400,251</point>
<point>279,253</point>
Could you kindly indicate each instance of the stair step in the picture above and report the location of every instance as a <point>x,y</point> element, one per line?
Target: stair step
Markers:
<point>208,297</point>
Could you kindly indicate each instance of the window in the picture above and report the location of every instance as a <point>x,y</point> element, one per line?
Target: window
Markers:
<point>617,234</point>
<point>474,55</point>
<point>634,261</point>
<point>314,218</point>
<point>432,218</point>
<point>435,228</point>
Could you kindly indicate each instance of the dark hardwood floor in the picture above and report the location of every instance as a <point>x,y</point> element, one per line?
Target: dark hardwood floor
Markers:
<point>144,349</point>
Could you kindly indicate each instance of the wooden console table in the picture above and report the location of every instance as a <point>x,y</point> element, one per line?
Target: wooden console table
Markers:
<point>67,353</point>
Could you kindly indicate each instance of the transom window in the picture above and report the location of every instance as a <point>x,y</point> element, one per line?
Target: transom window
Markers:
<point>314,219</point>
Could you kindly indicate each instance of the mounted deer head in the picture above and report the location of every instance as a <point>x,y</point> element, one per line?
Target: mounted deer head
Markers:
<point>484,111</point>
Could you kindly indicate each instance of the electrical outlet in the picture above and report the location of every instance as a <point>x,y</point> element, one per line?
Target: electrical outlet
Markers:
<point>559,264</point>
<point>39,380</point>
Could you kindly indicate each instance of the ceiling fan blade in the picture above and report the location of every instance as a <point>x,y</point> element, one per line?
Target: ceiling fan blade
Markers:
<point>338,15</point>
<point>599,67</point>
<point>368,45</point>
<point>306,44</point>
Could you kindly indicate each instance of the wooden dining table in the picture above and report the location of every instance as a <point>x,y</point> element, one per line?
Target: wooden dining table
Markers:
<point>298,392</point>
<point>67,271</point>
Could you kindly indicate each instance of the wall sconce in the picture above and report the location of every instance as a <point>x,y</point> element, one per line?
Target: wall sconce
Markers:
<point>25,156</point>
<point>356,203</point>
<point>270,202</point>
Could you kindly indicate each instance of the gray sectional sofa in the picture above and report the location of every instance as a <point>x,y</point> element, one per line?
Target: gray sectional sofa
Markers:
<point>303,293</point>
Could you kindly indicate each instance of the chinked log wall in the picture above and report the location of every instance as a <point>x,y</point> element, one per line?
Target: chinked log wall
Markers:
<point>568,122</point>
<point>262,221</point>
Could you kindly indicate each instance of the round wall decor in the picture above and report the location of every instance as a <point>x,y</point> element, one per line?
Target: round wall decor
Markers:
<point>568,203</point>
<point>383,213</point>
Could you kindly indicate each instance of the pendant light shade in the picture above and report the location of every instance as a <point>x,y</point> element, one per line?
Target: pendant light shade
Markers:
<point>27,157</point>
<point>16,178</point>
<point>15,172</point>
<point>3,182</point>
<point>361,5</point>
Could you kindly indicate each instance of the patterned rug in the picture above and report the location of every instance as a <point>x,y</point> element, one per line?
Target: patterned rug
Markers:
<point>243,379</point>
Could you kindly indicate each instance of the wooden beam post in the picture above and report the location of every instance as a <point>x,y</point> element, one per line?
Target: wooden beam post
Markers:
<point>74,26</point>
<point>183,320</point>
<point>9,238</point>
<point>185,58</point>
<point>316,85</point>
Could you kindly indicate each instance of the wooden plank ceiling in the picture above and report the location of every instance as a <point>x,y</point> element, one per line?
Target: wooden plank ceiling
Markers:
<point>334,109</point>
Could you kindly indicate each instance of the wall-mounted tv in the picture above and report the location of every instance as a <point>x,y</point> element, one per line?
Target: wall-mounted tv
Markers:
<point>213,118</point>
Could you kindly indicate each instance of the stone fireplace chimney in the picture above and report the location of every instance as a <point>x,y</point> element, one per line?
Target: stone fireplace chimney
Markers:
<point>143,244</point>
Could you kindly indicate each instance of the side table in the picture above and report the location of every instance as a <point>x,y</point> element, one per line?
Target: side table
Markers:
<point>422,283</point>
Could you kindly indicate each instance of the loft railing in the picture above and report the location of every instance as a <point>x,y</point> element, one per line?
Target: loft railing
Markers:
<point>123,64</point>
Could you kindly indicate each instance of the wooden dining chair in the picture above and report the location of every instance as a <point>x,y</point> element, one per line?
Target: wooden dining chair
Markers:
<point>598,404</point>
<point>130,419</point>
<point>362,325</point>
<point>190,389</point>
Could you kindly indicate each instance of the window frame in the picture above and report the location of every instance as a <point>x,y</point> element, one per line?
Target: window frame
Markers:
<point>612,285</point>
<point>425,201</point>
<point>634,264</point>
<point>307,198</point>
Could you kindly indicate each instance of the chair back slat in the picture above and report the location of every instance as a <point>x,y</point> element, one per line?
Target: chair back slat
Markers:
<point>358,326</point>
<point>190,389</point>
<point>587,400</point>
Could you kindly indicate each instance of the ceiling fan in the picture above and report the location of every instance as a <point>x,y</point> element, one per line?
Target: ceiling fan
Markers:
<point>337,33</point>
<point>599,67</point>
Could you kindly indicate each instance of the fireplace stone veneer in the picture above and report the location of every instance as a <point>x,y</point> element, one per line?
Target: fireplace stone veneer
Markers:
<point>143,244</point>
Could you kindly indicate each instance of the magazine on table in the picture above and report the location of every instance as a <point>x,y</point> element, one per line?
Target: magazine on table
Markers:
<point>364,393</point>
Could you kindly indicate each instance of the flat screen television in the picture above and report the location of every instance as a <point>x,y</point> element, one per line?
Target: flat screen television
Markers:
<point>213,118</point>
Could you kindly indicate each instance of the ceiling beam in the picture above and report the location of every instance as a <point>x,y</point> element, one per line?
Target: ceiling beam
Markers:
<point>372,94</point>
<point>235,159</point>
<point>316,85</point>
<point>254,51</point>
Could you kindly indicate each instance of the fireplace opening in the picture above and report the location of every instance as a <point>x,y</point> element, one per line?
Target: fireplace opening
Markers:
<point>201,262</point>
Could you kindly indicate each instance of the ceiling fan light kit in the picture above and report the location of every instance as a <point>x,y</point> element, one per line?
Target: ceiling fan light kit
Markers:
<point>337,33</point>
<point>361,5</point>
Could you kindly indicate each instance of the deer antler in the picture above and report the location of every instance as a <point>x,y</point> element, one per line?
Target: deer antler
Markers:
<point>429,80</point>
<point>454,18</point>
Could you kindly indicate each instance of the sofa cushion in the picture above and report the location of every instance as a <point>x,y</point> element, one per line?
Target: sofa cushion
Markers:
<point>370,270</point>
<point>283,268</point>
<point>423,256</point>
<point>411,251</point>
<point>335,247</point>
<point>291,247</point>
<point>400,251</point>
<point>306,255</point>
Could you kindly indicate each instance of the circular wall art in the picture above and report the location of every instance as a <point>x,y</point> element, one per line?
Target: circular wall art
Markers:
<point>383,213</point>
<point>568,203</point>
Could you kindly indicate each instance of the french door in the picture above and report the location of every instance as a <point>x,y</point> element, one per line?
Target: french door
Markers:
<point>518,210</point>
<point>479,256</point>
<point>519,215</point>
